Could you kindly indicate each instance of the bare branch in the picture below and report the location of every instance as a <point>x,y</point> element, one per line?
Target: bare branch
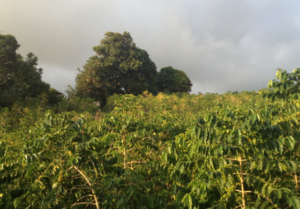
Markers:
<point>89,183</point>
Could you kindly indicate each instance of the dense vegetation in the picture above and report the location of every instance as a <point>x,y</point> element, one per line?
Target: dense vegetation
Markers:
<point>120,67</point>
<point>144,150</point>
<point>164,151</point>
<point>19,77</point>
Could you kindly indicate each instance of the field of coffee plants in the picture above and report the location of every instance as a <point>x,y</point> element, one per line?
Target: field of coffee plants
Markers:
<point>233,150</point>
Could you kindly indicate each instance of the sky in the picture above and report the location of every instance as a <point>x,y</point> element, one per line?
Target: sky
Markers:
<point>222,45</point>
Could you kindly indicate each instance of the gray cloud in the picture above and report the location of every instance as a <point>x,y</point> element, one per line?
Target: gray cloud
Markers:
<point>221,44</point>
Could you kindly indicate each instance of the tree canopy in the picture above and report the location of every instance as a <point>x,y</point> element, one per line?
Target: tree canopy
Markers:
<point>119,67</point>
<point>173,80</point>
<point>19,77</point>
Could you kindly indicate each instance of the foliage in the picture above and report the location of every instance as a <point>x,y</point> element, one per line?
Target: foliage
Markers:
<point>173,80</point>
<point>232,150</point>
<point>71,92</point>
<point>19,77</point>
<point>54,97</point>
<point>119,67</point>
<point>77,104</point>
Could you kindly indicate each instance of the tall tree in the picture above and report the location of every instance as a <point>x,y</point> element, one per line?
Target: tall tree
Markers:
<point>19,77</point>
<point>173,80</point>
<point>8,66</point>
<point>119,67</point>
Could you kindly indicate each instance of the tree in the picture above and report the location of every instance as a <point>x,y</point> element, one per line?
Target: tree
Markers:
<point>71,92</point>
<point>8,60</point>
<point>19,77</point>
<point>173,80</point>
<point>119,67</point>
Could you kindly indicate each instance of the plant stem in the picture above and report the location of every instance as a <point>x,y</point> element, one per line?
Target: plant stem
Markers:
<point>88,182</point>
<point>242,182</point>
<point>124,158</point>
<point>296,182</point>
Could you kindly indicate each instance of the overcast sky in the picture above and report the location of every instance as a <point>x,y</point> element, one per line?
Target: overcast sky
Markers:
<point>222,45</point>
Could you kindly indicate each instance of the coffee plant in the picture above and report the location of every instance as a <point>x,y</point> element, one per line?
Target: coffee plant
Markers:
<point>233,150</point>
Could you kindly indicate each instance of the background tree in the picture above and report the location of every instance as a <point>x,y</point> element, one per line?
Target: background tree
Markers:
<point>19,77</point>
<point>119,67</point>
<point>8,65</point>
<point>54,96</point>
<point>173,80</point>
<point>71,92</point>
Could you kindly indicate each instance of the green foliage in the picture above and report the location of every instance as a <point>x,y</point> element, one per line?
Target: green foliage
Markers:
<point>19,77</point>
<point>71,92</point>
<point>54,97</point>
<point>119,67</point>
<point>285,87</point>
<point>77,104</point>
<point>172,80</point>
<point>232,150</point>
<point>231,153</point>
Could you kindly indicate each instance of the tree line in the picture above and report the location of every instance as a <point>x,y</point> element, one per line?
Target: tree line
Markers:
<point>119,67</point>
